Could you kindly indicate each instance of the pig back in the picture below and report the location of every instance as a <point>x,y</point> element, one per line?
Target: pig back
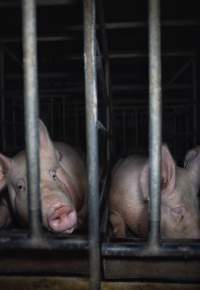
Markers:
<point>125,197</point>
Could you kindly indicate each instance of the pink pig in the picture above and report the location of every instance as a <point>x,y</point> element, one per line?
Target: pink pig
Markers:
<point>63,184</point>
<point>129,197</point>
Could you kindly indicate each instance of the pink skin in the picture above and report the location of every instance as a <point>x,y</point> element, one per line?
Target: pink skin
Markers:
<point>129,196</point>
<point>62,184</point>
<point>62,219</point>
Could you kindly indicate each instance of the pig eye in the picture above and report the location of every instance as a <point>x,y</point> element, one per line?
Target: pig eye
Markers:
<point>53,173</point>
<point>20,185</point>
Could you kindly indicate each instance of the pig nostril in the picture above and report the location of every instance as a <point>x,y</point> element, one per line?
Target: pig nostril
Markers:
<point>63,219</point>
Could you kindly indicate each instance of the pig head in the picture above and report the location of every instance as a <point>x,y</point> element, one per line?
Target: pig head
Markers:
<point>129,198</point>
<point>62,184</point>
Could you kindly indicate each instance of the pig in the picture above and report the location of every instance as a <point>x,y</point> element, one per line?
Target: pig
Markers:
<point>192,163</point>
<point>5,214</point>
<point>129,198</point>
<point>63,184</point>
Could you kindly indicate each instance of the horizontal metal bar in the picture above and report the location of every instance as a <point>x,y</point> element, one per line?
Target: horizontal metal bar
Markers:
<point>17,3</point>
<point>43,244</point>
<point>39,38</point>
<point>115,88</point>
<point>178,250</point>
<point>141,24</point>
<point>145,55</point>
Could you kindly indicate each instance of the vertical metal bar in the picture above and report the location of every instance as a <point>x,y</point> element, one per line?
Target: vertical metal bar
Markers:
<point>194,105</point>
<point>124,146</point>
<point>3,127</point>
<point>64,116</point>
<point>31,113</point>
<point>92,140</point>
<point>14,125</point>
<point>107,78</point>
<point>52,114</point>
<point>175,114</point>
<point>136,127</point>
<point>155,121</point>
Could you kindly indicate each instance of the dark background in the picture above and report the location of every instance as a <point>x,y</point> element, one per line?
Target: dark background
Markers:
<point>61,74</point>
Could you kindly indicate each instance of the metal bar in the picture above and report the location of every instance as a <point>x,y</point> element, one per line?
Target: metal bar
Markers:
<point>194,84</point>
<point>43,244</point>
<point>122,88</point>
<point>139,24</point>
<point>92,140</point>
<point>64,118</point>
<point>154,123</point>
<point>31,114</point>
<point>38,2</point>
<point>136,126</point>
<point>14,126</point>
<point>40,39</point>
<point>105,49</point>
<point>52,107</point>
<point>181,250</point>
<point>3,104</point>
<point>145,55</point>
<point>178,73</point>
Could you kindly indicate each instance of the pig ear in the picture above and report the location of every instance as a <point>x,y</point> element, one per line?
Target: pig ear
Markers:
<point>168,169</point>
<point>168,175</point>
<point>45,140</point>
<point>190,157</point>
<point>5,165</point>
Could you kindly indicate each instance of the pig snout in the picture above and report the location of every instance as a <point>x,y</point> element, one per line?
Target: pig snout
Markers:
<point>62,219</point>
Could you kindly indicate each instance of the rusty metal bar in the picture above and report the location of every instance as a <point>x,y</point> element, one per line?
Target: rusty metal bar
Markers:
<point>31,114</point>
<point>154,123</point>
<point>92,140</point>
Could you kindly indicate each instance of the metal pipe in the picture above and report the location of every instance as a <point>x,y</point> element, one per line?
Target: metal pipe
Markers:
<point>154,123</point>
<point>3,105</point>
<point>103,33</point>
<point>195,98</point>
<point>92,140</point>
<point>38,2</point>
<point>47,243</point>
<point>40,39</point>
<point>31,114</point>
<point>139,249</point>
